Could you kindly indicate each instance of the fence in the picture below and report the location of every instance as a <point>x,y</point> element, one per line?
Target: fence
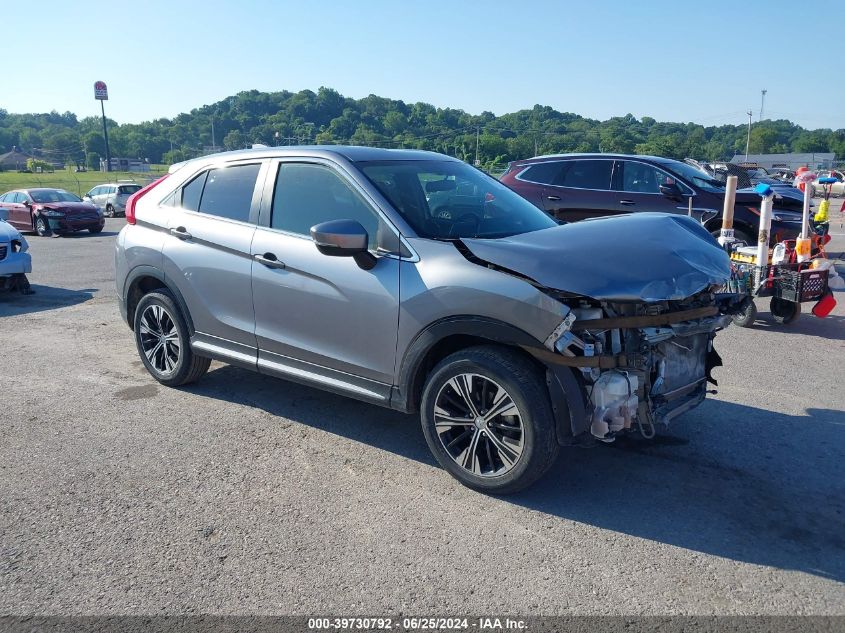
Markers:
<point>75,182</point>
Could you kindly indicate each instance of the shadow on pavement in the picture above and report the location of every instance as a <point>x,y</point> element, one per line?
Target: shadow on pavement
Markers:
<point>744,483</point>
<point>45,298</point>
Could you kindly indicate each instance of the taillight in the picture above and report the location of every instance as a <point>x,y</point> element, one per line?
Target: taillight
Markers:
<point>133,199</point>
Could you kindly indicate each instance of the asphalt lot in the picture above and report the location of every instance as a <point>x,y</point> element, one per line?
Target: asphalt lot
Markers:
<point>246,494</point>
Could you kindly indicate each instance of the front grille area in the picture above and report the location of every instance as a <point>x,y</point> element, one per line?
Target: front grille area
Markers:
<point>3,250</point>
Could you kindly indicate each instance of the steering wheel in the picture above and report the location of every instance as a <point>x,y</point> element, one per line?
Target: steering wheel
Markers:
<point>460,219</point>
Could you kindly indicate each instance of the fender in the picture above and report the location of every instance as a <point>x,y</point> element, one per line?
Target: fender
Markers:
<point>565,392</point>
<point>149,271</point>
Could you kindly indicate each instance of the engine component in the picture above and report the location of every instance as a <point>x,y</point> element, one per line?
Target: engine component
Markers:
<point>615,402</point>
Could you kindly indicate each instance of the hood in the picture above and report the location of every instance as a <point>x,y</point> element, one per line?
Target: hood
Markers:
<point>637,257</point>
<point>68,207</point>
<point>786,196</point>
<point>8,232</point>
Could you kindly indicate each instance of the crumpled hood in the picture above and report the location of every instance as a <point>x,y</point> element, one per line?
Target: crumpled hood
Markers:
<point>637,257</point>
<point>72,208</point>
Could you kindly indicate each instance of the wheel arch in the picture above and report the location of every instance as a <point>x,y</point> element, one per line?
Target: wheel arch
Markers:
<point>145,279</point>
<point>446,336</point>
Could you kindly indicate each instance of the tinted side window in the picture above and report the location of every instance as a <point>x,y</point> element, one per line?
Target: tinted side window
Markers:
<point>641,178</point>
<point>542,173</point>
<point>308,194</point>
<point>228,192</point>
<point>588,174</point>
<point>3,197</point>
<point>192,192</point>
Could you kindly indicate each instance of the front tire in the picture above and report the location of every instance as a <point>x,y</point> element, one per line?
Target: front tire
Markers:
<point>487,419</point>
<point>109,212</point>
<point>41,226</point>
<point>163,341</point>
<point>95,229</point>
<point>748,315</point>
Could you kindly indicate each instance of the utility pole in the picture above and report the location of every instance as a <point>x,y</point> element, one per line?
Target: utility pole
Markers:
<point>748,140</point>
<point>477,138</point>
<point>213,143</point>
<point>762,102</point>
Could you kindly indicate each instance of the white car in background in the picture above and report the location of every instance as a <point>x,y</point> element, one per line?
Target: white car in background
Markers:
<point>15,262</point>
<point>837,189</point>
<point>111,198</point>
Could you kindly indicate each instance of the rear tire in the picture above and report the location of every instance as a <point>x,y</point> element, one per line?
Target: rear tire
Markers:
<point>109,212</point>
<point>784,312</point>
<point>487,419</point>
<point>163,341</point>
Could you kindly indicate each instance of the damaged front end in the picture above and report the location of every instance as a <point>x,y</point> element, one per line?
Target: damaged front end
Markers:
<point>640,309</point>
<point>635,365</point>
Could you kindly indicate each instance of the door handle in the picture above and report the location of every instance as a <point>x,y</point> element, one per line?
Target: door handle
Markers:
<point>181,233</point>
<point>627,202</point>
<point>553,198</point>
<point>269,260</point>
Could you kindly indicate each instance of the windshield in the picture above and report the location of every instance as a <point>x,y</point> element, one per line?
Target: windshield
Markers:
<point>448,200</point>
<point>54,195</point>
<point>698,177</point>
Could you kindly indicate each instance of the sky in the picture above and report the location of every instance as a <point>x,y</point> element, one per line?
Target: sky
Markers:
<point>704,62</point>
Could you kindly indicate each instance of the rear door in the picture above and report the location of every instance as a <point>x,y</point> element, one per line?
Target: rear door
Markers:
<point>637,188</point>
<point>207,255</point>
<point>321,318</point>
<point>581,190</point>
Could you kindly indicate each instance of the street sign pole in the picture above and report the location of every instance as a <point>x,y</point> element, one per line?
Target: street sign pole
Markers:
<point>106,137</point>
<point>101,93</point>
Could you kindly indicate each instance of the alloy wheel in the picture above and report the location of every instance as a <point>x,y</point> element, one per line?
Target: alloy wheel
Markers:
<point>160,339</point>
<point>479,425</point>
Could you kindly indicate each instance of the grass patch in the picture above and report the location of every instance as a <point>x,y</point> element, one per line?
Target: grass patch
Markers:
<point>78,183</point>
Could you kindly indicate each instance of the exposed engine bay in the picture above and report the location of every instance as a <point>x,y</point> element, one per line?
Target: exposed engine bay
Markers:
<point>641,364</point>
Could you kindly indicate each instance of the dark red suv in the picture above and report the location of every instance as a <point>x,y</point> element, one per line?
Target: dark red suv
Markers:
<point>578,186</point>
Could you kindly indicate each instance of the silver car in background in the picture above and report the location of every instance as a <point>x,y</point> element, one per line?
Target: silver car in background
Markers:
<point>111,198</point>
<point>414,281</point>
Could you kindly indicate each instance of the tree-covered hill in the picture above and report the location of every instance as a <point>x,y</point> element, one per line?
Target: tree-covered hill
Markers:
<point>281,118</point>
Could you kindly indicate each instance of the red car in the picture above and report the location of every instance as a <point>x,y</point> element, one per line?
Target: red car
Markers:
<point>47,211</point>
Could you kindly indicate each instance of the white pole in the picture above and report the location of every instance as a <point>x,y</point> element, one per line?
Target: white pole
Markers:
<point>802,246</point>
<point>727,233</point>
<point>762,260</point>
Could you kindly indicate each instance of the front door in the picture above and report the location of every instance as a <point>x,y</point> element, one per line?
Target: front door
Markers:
<point>637,188</point>
<point>318,318</point>
<point>20,215</point>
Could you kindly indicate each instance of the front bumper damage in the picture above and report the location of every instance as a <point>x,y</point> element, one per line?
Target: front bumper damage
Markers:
<point>619,367</point>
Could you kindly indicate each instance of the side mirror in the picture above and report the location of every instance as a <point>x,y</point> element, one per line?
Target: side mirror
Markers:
<point>344,238</point>
<point>27,203</point>
<point>671,190</point>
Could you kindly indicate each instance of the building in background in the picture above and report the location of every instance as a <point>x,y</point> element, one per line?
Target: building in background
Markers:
<point>816,160</point>
<point>125,164</point>
<point>14,160</point>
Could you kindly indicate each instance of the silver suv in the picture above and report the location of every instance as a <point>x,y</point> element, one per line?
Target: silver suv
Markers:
<point>111,198</point>
<point>414,281</point>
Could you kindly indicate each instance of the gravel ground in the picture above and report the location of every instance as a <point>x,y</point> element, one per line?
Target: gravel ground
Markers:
<point>246,494</point>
